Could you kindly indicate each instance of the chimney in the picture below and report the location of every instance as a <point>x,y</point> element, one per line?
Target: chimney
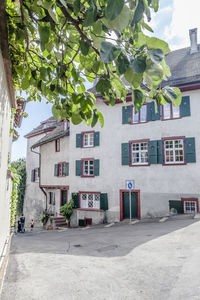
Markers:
<point>193,40</point>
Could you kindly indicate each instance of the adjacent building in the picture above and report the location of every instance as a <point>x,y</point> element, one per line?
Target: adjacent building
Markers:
<point>159,152</point>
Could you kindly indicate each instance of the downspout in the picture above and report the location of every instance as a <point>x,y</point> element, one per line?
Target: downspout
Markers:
<point>40,174</point>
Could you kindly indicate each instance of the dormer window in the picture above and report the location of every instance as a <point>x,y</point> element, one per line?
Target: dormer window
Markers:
<point>57,145</point>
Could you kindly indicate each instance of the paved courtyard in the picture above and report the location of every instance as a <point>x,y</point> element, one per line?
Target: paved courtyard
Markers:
<point>142,261</point>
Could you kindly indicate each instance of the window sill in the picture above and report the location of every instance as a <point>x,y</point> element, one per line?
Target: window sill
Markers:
<point>87,147</point>
<point>91,209</point>
<point>141,165</point>
<point>87,176</point>
<point>174,164</point>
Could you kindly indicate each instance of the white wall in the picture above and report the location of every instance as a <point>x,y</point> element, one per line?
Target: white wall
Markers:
<point>5,114</point>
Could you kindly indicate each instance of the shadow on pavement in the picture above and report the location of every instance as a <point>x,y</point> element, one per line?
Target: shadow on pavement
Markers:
<point>114,241</point>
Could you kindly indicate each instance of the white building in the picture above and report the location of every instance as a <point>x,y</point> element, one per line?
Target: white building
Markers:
<point>160,152</point>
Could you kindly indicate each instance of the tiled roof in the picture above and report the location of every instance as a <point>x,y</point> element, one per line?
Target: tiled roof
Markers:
<point>46,125</point>
<point>58,132</point>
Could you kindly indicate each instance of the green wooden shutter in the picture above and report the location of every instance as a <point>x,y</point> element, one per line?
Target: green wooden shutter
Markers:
<point>125,148</point>
<point>104,201</point>
<point>190,155</point>
<point>149,111</point>
<point>160,152</point>
<point>185,106</point>
<point>33,175</point>
<point>155,116</point>
<point>75,198</point>
<point>38,172</point>
<point>126,114</point>
<point>96,138</point>
<point>96,167</point>
<point>153,152</point>
<point>177,204</point>
<point>78,140</point>
<point>55,170</point>
<point>78,167</point>
<point>66,169</point>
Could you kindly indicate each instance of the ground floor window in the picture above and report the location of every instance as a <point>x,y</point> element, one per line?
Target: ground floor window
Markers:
<point>90,200</point>
<point>190,207</point>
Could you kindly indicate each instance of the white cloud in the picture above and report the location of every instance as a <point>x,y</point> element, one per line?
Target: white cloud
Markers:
<point>185,16</point>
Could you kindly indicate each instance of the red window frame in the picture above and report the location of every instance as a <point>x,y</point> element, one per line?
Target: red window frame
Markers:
<point>36,170</point>
<point>139,122</point>
<point>90,209</point>
<point>57,145</point>
<point>82,139</point>
<point>130,150</point>
<point>61,166</point>
<point>171,113</point>
<point>82,167</point>
<point>170,139</point>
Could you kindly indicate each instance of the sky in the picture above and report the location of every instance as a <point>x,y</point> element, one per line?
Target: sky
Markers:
<point>171,23</point>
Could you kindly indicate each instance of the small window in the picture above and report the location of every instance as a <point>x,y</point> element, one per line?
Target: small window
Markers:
<point>141,116</point>
<point>61,169</point>
<point>50,198</point>
<point>36,175</point>
<point>139,153</point>
<point>90,200</point>
<point>174,151</point>
<point>88,139</point>
<point>190,206</point>
<point>57,145</point>
<point>88,168</point>
<point>170,111</point>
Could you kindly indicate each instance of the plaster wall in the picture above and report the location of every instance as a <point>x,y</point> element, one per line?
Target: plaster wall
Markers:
<point>34,201</point>
<point>5,115</point>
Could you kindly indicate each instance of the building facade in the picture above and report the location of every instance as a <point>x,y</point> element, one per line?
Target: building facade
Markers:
<point>160,152</point>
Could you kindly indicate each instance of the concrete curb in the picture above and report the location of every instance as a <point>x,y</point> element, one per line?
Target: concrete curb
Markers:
<point>4,261</point>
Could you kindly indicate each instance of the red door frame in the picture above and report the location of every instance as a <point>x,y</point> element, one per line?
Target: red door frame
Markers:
<point>190,199</point>
<point>121,203</point>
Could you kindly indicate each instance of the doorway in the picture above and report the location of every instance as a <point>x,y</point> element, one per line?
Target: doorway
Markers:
<point>124,205</point>
<point>63,197</point>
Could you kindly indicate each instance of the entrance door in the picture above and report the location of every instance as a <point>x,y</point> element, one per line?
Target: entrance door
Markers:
<point>134,205</point>
<point>63,197</point>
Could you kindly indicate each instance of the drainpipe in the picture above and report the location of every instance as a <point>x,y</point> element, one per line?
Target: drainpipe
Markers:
<point>40,174</point>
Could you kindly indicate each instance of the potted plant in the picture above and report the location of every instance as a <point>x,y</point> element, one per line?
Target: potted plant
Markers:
<point>50,227</point>
<point>44,218</point>
<point>67,210</point>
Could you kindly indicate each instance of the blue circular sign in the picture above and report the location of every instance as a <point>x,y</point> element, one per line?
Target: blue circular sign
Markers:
<point>130,185</point>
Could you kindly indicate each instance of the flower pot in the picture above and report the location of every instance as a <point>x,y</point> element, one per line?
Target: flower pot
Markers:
<point>49,227</point>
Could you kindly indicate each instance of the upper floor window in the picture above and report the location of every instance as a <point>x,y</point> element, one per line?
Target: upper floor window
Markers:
<point>174,151</point>
<point>88,168</point>
<point>57,145</point>
<point>141,116</point>
<point>139,153</point>
<point>169,111</point>
<point>61,169</point>
<point>90,200</point>
<point>88,139</point>
<point>35,174</point>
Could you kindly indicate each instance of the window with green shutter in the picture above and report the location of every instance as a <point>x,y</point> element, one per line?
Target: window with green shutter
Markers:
<point>78,167</point>
<point>153,157</point>
<point>151,112</point>
<point>125,148</point>
<point>75,198</point>
<point>78,140</point>
<point>66,169</point>
<point>126,114</point>
<point>185,106</point>
<point>32,175</point>
<point>190,154</point>
<point>104,201</point>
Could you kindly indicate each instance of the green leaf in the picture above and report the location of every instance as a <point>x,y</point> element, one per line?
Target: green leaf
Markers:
<point>94,118</point>
<point>113,9</point>
<point>156,55</point>
<point>44,33</point>
<point>172,94</point>
<point>109,52</point>
<point>138,65</point>
<point>43,73</point>
<point>121,22</point>
<point>133,78</point>
<point>138,99</point>
<point>155,43</point>
<point>90,18</point>
<point>155,5</point>
<point>76,118</point>
<point>103,86</point>
<point>138,13</point>
<point>76,5</point>
<point>153,74</point>
<point>122,63</point>
<point>101,119</point>
<point>25,83</point>
<point>56,112</point>
<point>84,46</point>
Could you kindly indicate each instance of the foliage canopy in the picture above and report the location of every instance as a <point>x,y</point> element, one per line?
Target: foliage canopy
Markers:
<point>55,45</point>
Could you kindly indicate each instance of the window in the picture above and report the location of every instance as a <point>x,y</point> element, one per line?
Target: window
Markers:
<point>50,198</point>
<point>88,168</point>
<point>35,174</point>
<point>139,153</point>
<point>190,207</point>
<point>90,200</point>
<point>141,116</point>
<point>88,139</point>
<point>57,145</point>
<point>170,111</point>
<point>61,169</point>
<point>174,151</point>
